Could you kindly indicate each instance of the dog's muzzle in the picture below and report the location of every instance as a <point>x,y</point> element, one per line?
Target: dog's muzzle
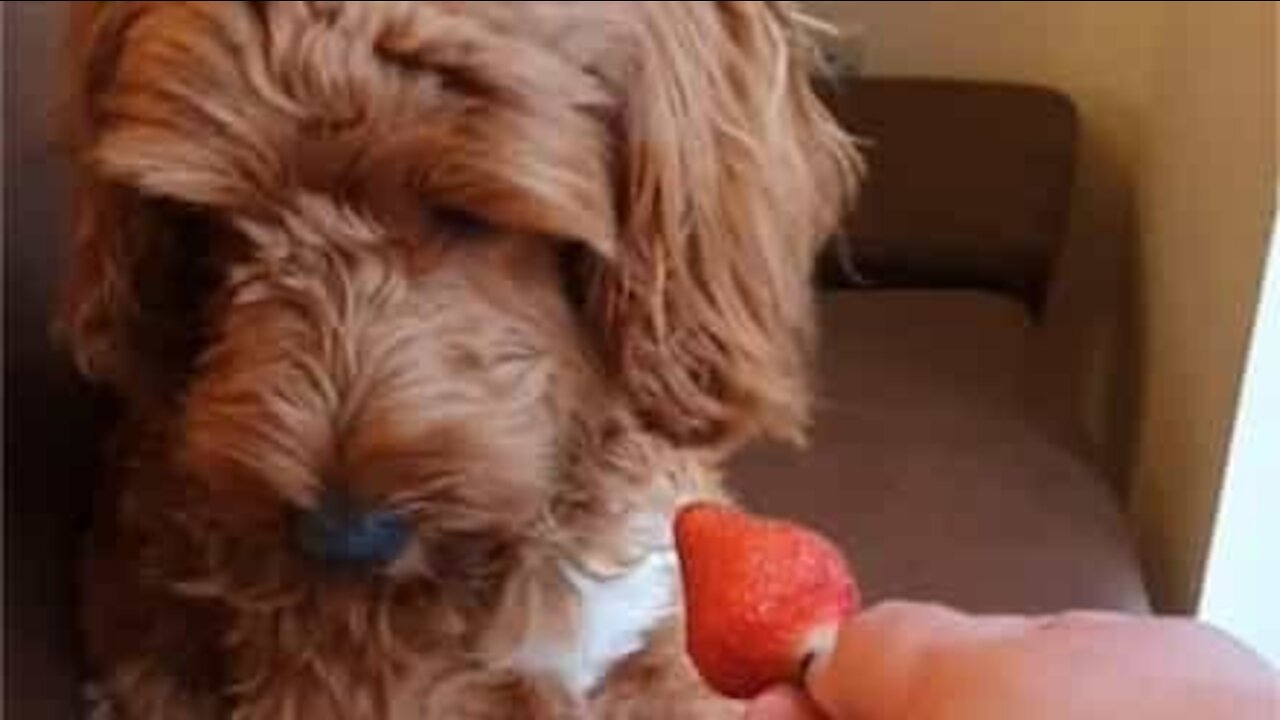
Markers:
<point>338,532</point>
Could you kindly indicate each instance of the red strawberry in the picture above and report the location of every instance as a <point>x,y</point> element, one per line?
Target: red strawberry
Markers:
<point>761,596</point>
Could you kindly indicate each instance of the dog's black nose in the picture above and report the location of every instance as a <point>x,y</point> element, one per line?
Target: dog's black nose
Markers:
<point>339,533</point>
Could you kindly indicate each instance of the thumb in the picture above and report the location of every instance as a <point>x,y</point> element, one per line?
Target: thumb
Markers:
<point>878,660</point>
<point>783,703</point>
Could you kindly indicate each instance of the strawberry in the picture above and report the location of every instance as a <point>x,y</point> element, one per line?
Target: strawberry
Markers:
<point>762,596</point>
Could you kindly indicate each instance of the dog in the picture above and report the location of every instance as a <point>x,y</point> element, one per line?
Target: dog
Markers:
<point>422,319</point>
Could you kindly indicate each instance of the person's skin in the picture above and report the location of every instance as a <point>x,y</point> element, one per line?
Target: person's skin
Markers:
<point>916,661</point>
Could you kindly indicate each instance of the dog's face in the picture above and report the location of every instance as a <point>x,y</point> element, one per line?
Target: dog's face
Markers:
<point>379,264</point>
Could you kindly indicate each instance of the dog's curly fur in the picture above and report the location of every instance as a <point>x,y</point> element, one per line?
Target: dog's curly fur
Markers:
<point>523,273</point>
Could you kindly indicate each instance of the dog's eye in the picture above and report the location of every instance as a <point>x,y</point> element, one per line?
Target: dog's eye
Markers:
<point>458,224</point>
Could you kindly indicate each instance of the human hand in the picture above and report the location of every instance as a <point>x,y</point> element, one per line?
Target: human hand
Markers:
<point>928,662</point>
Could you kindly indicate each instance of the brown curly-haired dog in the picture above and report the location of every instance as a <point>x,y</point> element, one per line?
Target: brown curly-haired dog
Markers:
<point>424,316</point>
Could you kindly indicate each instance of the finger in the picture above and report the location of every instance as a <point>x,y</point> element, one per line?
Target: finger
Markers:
<point>880,654</point>
<point>783,703</point>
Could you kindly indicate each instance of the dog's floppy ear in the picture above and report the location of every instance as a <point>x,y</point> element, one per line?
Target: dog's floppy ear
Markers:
<point>125,307</point>
<point>129,308</point>
<point>732,176</point>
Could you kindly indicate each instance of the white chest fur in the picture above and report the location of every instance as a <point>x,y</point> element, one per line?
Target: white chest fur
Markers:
<point>614,615</point>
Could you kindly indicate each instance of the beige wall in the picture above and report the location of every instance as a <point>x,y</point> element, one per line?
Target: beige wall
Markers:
<point>1206,204</point>
<point>1177,175</point>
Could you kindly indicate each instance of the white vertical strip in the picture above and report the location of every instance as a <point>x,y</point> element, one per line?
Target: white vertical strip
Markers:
<point>1241,590</point>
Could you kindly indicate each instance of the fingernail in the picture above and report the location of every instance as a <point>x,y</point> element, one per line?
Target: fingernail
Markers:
<point>818,647</point>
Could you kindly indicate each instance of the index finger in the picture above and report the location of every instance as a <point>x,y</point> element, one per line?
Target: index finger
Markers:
<point>783,703</point>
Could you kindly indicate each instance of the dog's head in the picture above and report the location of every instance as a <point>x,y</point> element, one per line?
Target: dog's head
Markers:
<point>388,257</point>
